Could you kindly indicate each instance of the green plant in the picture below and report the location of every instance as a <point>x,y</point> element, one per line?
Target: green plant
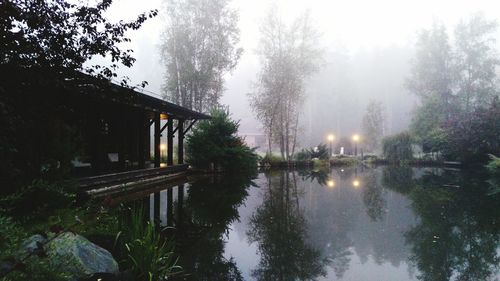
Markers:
<point>271,158</point>
<point>319,152</point>
<point>146,253</point>
<point>494,164</point>
<point>215,144</point>
<point>39,196</point>
<point>398,147</point>
<point>16,264</point>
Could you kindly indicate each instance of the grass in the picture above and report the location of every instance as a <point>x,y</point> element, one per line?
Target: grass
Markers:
<point>146,252</point>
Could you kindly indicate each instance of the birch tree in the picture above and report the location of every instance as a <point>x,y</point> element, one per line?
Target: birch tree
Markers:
<point>200,47</point>
<point>288,55</point>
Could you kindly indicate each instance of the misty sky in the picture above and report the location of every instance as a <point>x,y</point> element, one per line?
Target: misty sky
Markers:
<point>356,27</point>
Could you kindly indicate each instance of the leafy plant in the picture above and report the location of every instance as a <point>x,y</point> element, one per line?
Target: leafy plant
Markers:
<point>215,143</point>
<point>320,152</point>
<point>494,164</point>
<point>398,147</point>
<point>146,253</point>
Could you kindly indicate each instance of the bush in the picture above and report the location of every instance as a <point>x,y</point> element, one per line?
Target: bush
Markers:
<point>319,152</point>
<point>214,142</point>
<point>494,164</point>
<point>398,147</point>
<point>146,253</point>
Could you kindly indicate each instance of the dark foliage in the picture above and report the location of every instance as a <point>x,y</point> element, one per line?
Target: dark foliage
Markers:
<point>63,36</point>
<point>319,152</point>
<point>215,142</point>
<point>397,147</point>
<point>471,137</point>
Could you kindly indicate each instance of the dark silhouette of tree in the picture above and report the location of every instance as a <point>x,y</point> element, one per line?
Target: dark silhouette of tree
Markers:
<point>279,228</point>
<point>211,206</point>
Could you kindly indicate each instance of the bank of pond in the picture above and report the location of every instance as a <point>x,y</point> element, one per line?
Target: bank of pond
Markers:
<point>393,222</point>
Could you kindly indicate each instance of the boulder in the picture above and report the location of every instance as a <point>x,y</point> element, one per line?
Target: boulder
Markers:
<point>79,258</point>
<point>33,244</point>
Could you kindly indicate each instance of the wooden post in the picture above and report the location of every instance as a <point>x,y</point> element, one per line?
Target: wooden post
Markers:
<point>157,140</point>
<point>180,142</point>
<point>170,142</point>
<point>143,130</point>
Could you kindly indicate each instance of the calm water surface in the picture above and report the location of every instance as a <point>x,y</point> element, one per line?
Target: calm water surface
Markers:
<point>385,223</point>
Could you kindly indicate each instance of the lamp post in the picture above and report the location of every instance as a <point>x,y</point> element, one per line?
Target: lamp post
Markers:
<point>331,138</point>
<point>355,138</point>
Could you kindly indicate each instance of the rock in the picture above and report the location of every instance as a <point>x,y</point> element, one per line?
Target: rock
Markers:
<point>33,245</point>
<point>79,258</point>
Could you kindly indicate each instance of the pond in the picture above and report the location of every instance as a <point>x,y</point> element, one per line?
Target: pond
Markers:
<point>385,223</point>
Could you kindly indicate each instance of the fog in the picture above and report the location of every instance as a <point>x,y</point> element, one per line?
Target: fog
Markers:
<point>368,47</point>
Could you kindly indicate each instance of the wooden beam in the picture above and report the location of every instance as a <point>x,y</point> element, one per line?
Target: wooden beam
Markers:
<point>190,125</point>
<point>164,126</point>
<point>157,135</point>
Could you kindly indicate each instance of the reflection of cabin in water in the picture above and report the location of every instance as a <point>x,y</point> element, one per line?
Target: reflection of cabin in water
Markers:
<point>120,128</point>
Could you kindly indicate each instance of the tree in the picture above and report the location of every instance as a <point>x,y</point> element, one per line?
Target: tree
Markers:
<point>398,147</point>
<point>63,36</point>
<point>199,50</point>
<point>476,60</point>
<point>215,142</point>
<point>431,80</point>
<point>289,55</point>
<point>472,136</point>
<point>454,84</point>
<point>373,124</point>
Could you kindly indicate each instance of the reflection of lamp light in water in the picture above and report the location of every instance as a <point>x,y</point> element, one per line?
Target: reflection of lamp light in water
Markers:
<point>355,183</point>
<point>330,183</point>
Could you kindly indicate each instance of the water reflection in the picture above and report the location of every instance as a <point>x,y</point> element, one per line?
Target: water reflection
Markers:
<point>386,223</point>
<point>278,226</point>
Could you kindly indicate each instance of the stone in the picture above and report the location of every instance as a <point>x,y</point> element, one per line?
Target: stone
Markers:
<point>79,258</point>
<point>33,244</point>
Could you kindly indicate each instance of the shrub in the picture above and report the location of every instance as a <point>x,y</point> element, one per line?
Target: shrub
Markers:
<point>146,253</point>
<point>320,152</point>
<point>398,147</point>
<point>214,142</point>
<point>494,164</point>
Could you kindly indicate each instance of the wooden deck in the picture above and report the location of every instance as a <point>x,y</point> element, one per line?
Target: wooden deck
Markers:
<point>120,182</point>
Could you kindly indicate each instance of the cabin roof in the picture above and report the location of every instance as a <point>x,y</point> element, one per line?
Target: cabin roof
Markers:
<point>130,96</point>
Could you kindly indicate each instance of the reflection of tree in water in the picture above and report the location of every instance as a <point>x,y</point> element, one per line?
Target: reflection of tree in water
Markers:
<point>398,178</point>
<point>320,175</point>
<point>373,197</point>
<point>457,237</point>
<point>212,205</point>
<point>279,228</point>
